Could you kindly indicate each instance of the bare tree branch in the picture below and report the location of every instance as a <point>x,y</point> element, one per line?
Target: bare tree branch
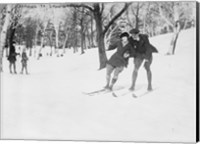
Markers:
<point>130,23</point>
<point>141,5</point>
<point>133,11</point>
<point>116,17</point>
<point>102,8</point>
<point>82,5</point>
<point>137,9</point>
<point>163,17</point>
<point>84,12</point>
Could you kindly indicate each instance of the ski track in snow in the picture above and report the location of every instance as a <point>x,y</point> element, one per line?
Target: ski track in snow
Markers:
<point>49,104</point>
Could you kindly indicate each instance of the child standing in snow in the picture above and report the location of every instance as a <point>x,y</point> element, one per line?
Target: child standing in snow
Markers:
<point>24,61</point>
<point>118,60</point>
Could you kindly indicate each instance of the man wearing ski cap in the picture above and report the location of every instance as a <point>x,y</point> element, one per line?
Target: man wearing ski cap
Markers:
<point>141,51</point>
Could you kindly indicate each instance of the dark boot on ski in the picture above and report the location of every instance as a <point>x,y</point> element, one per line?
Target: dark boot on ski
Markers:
<point>106,87</point>
<point>110,88</point>
<point>132,88</point>
<point>149,88</point>
<point>114,80</point>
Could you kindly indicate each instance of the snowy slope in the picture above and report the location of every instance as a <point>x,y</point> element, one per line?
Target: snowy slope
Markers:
<point>49,103</point>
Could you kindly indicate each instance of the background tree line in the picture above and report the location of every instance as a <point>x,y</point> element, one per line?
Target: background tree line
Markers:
<point>89,25</point>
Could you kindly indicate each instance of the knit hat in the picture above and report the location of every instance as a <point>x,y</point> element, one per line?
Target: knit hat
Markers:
<point>134,31</point>
<point>124,34</point>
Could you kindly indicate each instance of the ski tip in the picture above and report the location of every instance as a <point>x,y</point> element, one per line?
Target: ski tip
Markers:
<point>134,96</point>
<point>114,94</point>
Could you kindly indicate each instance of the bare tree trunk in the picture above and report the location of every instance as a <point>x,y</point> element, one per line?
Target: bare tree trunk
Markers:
<point>51,43</point>
<point>108,36</point>
<point>3,34</point>
<point>82,43</point>
<point>42,40</point>
<point>185,24</point>
<point>136,22</point>
<point>75,41</point>
<point>57,39</point>
<point>64,44</point>
<point>176,29</point>
<point>174,39</point>
<point>136,14</point>
<point>100,41</point>
<point>128,18</point>
<point>144,25</point>
<point>82,32</point>
<point>41,47</point>
<point>30,51</point>
<point>145,17</point>
<point>35,41</point>
<point>92,33</point>
<point>88,38</point>
<point>7,51</point>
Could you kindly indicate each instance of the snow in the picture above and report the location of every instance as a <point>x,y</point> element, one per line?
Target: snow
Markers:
<point>49,102</point>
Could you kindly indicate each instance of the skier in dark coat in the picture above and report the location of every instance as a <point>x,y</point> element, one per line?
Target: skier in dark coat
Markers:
<point>118,60</point>
<point>141,51</point>
<point>12,58</point>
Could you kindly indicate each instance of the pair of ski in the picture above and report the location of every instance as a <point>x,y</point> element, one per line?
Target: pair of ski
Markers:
<point>119,92</point>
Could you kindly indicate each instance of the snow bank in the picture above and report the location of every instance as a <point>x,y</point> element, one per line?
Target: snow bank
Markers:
<point>49,103</point>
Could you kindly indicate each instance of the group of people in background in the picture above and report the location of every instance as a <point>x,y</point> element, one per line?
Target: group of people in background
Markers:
<point>132,44</point>
<point>12,59</point>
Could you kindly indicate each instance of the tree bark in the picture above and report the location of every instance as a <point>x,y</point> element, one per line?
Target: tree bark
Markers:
<point>82,44</point>
<point>109,35</point>
<point>82,31</point>
<point>92,33</point>
<point>176,29</point>
<point>136,22</point>
<point>12,34</point>
<point>30,51</point>
<point>88,38</point>
<point>35,40</point>
<point>51,43</point>
<point>185,24</point>
<point>64,44</point>
<point>172,47</point>
<point>3,34</point>
<point>137,16</point>
<point>75,41</point>
<point>57,38</point>
<point>100,38</point>
<point>42,39</point>
<point>145,18</point>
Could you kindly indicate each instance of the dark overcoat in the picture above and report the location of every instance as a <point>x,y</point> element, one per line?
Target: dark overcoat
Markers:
<point>142,48</point>
<point>12,54</point>
<point>118,59</point>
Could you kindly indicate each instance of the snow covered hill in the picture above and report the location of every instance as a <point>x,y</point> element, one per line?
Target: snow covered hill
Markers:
<point>50,104</point>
